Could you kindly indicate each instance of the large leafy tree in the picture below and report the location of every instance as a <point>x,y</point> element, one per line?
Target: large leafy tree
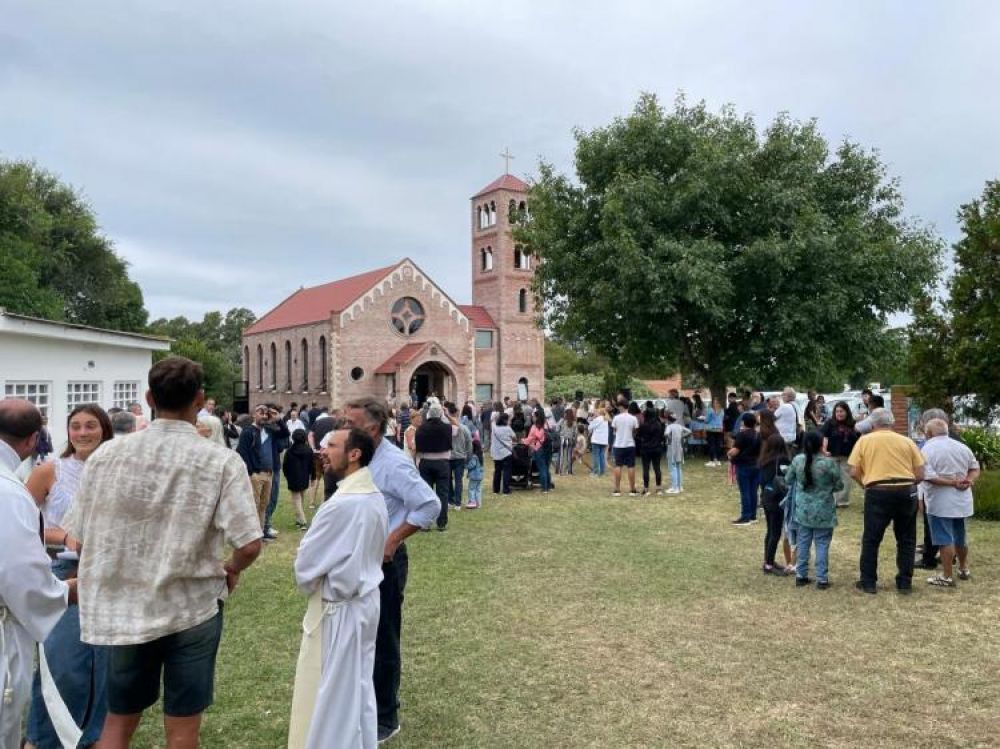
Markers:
<point>56,264</point>
<point>955,344</point>
<point>693,241</point>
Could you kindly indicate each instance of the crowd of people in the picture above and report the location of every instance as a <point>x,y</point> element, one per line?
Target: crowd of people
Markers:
<point>112,558</point>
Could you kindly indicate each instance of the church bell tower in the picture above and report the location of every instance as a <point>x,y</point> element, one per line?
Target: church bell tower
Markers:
<point>502,276</point>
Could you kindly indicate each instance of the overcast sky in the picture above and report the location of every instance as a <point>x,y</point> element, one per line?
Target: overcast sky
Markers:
<point>235,151</point>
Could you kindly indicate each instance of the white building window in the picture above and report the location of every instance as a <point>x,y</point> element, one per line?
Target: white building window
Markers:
<point>36,392</point>
<point>484,393</point>
<point>79,393</point>
<point>124,394</point>
<point>484,339</point>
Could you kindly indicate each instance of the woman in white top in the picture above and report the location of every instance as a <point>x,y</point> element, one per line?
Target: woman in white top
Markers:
<point>77,669</point>
<point>599,433</point>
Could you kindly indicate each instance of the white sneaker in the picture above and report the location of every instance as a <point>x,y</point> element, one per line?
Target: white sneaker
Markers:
<point>672,490</point>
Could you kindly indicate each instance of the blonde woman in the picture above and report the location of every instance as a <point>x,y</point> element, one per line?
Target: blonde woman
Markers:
<point>599,429</point>
<point>409,436</point>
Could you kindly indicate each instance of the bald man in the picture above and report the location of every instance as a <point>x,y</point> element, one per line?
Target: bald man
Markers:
<point>32,599</point>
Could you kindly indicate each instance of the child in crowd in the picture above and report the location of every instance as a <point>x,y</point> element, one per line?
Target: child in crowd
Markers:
<point>298,470</point>
<point>580,449</point>
<point>475,466</point>
<point>675,434</point>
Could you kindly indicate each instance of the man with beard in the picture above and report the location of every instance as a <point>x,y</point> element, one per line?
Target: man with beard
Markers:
<point>339,563</point>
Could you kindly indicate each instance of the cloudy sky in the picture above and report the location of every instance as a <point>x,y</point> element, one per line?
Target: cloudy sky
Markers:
<point>235,151</point>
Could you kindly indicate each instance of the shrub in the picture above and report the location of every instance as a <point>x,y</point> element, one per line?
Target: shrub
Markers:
<point>985,444</point>
<point>987,496</point>
<point>592,385</point>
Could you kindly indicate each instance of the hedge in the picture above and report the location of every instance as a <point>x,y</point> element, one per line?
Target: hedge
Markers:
<point>987,496</point>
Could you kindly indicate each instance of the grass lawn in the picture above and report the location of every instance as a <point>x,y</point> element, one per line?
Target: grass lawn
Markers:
<point>579,620</point>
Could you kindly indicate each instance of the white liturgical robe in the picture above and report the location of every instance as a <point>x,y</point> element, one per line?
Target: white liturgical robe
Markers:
<point>339,563</point>
<point>32,599</point>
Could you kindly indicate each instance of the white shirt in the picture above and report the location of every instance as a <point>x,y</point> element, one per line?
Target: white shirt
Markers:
<point>294,424</point>
<point>786,420</point>
<point>598,429</point>
<point>947,458</point>
<point>625,425</point>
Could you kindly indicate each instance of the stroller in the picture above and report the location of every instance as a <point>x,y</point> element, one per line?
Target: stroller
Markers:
<point>523,472</point>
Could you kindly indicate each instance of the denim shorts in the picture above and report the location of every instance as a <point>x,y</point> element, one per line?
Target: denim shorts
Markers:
<point>625,456</point>
<point>186,661</point>
<point>947,531</point>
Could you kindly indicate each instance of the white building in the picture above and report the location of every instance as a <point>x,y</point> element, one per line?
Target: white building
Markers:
<point>58,366</point>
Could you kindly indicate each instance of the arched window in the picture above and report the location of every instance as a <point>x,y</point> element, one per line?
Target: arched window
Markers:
<point>488,259</point>
<point>522,207</point>
<point>304,364</point>
<point>522,260</point>
<point>274,367</point>
<point>493,213</point>
<point>522,301</point>
<point>260,367</point>
<point>511,211</point>
<point>479,216</point>
<point>322,363</point>
<point>288,366</point>
<point>246,364</point>
<point>482,259</point>
<point>522,389</point>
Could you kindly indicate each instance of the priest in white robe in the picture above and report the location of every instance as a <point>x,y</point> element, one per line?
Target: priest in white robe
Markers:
<point>339,564</point>
<point>32,599</point>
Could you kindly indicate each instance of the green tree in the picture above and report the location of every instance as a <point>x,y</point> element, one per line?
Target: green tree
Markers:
<point>955,345</point>
<point>56,263</point>
<point>693,242</point>
<point>219,373</point>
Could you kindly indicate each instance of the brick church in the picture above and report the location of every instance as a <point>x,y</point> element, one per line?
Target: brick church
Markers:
<point>393,331</point>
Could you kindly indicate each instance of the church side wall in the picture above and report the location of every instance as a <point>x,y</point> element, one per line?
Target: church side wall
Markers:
<point>282,394</point>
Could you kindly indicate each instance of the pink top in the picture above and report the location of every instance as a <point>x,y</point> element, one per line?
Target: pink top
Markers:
<point>536,438</point>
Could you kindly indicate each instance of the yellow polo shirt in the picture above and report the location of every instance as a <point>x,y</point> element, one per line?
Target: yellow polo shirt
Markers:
<point>885,456</point>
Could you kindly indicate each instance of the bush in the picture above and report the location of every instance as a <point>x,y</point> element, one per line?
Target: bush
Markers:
<point>985,444</point>
<point>987,496</point>
<point>592,385</point>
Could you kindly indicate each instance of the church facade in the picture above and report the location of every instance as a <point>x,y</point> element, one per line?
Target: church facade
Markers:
<point>394,332</point>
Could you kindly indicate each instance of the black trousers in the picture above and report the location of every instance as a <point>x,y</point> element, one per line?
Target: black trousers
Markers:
<point>651,458</point>
<point>437,473</point>
<point>388,655</point>
<point>714,440</point>
<point>929,557</point>
<point>774,516</point>
<point>885,506</point>
<point>502,469</point>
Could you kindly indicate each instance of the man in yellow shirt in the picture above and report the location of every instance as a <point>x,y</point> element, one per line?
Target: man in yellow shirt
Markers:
<point>889,466</point>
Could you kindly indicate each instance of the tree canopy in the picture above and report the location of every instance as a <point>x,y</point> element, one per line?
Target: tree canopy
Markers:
<point>955,343</point>
<point>694,242</point>
<point>215,343</point>
<point>56,264</point>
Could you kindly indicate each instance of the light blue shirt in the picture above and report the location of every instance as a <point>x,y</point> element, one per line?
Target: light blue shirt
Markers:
<point>408,498</point>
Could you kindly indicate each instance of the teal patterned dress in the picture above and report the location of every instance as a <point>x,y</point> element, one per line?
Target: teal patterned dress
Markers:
<point>815,506</point>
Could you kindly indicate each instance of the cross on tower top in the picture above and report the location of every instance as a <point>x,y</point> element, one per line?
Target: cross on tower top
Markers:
<point>506,156</point>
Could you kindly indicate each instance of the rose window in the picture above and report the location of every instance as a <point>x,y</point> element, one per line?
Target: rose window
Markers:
<point>408,315</point>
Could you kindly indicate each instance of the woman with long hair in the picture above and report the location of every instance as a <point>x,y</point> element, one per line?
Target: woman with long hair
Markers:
<point>766,424</point>
<point>714,416</point>
<point>76,670</point>
<point>816,478</point>
<point>599,431</point>
<point>773,455</point>
<point>839,438</point>
<point>567,442</point>
<point>541,450</point>
<point>650,442</point>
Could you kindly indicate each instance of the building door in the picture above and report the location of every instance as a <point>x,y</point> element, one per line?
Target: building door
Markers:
<point>430,379</point>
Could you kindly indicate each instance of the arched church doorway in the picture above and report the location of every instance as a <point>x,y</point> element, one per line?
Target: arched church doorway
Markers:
<point>432,378</point>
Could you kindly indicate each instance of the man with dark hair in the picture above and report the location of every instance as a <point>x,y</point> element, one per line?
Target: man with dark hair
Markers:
<point>151,575</point>
<point>258,458</point>
<point>32,599</point>
<point>339,563</point>
<point>411,505</point>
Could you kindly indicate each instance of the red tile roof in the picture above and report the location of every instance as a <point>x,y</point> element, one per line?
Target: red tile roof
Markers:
<point>478,317</point>
<point>404,355</point>
<point>506,182</point>
<point>317,303</point>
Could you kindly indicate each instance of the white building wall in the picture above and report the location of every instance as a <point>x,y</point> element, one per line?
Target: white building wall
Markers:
<point>60,364</point>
